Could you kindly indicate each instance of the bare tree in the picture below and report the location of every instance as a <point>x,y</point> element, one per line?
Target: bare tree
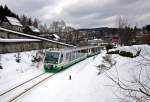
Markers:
<point>36,22</point>
<point>18,57</point>
<point>57,26</point>
<point>122,22</point>
<point>124,30</point>
<point>136,89</point>
<point>43,28</point>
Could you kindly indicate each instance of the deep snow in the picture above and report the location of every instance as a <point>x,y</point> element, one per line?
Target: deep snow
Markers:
<point>85,85</point>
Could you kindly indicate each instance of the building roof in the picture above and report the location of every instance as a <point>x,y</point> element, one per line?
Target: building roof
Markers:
<point>14,21</point>
<point>34,29</point>
<point>18,40</point>
<point>35,37</point>
<point>95,41</point>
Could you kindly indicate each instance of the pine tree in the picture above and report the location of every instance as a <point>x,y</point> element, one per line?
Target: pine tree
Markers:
<point>30,21</point>
<point>23,20</point>
<point>35,23</point>
<point>1,12</point>
<point>5,11</point>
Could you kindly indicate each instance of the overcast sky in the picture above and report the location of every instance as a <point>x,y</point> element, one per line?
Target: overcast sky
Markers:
<point>84,13</point>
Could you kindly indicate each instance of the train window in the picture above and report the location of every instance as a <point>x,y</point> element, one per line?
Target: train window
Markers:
<point>72,55</point>
<point>84,51</point>
<point>76,54</point>
<point>52,57</point>
<point>93,50</point>
<point>79,53</point>
<point>68,56</point>
<point>96,50</point>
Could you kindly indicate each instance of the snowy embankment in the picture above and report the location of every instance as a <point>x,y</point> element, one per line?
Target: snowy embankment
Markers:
<point>14,73</point>
<point>86,85</point>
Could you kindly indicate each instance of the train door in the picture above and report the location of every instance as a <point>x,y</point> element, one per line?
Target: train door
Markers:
<point>61,57</point>
<point>89,51</point>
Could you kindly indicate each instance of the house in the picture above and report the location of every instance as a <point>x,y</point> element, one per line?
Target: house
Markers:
<point>95,42</point>
<point>116,40</point>
<point>146,39</point>
<point>11,23</point>
<point>31,30</point>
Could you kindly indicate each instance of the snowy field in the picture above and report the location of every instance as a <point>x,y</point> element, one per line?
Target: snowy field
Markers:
<point>86,85</point>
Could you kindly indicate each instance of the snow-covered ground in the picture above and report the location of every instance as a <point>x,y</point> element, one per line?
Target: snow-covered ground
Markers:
<point>86,85</point>
<point>14,73</point>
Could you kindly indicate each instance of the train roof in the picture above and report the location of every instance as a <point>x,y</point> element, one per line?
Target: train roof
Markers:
<point>72,49</point>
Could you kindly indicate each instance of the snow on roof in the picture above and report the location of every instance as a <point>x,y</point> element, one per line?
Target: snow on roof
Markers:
<point>95,41</point>
<point>18,40</point>
<point>56,36</point>
<point>34,29</point>
<point>14,21</point>
<point>36,37</point>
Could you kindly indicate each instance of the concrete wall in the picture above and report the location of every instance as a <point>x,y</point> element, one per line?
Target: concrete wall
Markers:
<point>26,46</point>
<point>8,35</point>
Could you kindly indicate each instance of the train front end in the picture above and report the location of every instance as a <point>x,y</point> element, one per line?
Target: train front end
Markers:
<point>51,61</point>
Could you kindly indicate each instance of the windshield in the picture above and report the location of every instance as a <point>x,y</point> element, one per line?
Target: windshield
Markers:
<point>52,57</point>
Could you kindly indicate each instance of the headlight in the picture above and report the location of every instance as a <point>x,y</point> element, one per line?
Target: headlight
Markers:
<point>50,66</point>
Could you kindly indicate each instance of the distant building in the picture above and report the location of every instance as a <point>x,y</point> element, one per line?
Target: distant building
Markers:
<point>146,39</point>
<point>95,42</point>
<point>11,23</point>
<point>146,29</point>
<point>116,40</point>
<point>31,30</point>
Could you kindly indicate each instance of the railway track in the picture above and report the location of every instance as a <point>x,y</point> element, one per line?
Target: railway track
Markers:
<point>13,94</point>
<point>19,90</point>
<point>3,93</point>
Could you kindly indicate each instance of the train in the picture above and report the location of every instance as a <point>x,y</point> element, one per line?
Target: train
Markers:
<point>60,59</point>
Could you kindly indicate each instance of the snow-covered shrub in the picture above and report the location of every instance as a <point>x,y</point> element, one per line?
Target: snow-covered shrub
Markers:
<point>18,57</point>
<point>35,59</point>
<point>107,63</point>
<point>109,46</point>
<point>125,53</point>
<point>113,52</point>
